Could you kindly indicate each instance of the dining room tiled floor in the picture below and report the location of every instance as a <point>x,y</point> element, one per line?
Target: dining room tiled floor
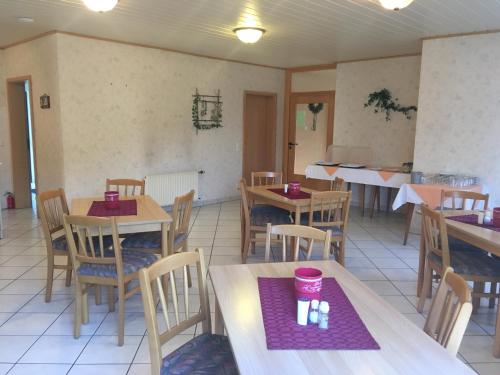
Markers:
<point>36,337</point>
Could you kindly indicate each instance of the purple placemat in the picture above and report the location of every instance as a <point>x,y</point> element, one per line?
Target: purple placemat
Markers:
<point>346,330</point>
<point>472,219</point>
<point>300,195</point>
<point>126,208</point>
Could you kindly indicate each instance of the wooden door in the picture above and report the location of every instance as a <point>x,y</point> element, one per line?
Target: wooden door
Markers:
<point>259,133</point>
<point>16,96</point>
<point>310,132</point>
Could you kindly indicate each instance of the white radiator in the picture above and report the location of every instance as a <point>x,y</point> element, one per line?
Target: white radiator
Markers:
<point>163,188</point>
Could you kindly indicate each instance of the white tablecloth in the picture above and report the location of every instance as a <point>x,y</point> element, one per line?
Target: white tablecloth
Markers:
<point>358,176</point>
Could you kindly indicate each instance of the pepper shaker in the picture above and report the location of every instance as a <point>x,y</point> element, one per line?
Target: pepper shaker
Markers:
<point>324,308</point>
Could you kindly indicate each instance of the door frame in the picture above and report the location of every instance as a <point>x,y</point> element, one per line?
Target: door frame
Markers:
<point>274,123</point>
<point>291,121</point>
<point>33,128</point>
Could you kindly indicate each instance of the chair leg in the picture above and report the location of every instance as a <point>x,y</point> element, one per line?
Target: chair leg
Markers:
<point>121,315</point>
<point>374,198</point>
<point>476,301</point>
<point>493,289</point>
<point>78,310</point>
<point>50,278</point>
<point>185,249</point>
<point>341,257</point>
<point>85,303</point>
<point>410,207</point>
<point>252,243</point>
<point>246,248</point>
<point>98,298</point>
<point>425,287</point>
<point>111,298</point>
<point>69,272</point>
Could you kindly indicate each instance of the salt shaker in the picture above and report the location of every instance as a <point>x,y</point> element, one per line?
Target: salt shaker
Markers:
<point>314,313</point>
<point>487,217</point>
<point>285,188</point>
<point>324,308</point>
<point>480,218</point>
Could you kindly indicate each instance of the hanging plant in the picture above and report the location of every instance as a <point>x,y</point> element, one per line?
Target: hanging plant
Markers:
<point>383,102</point>
<point>315,108</point>
<point>201,119</point>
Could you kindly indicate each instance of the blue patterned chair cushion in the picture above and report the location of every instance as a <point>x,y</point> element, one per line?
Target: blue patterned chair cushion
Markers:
<point>206,354</point>
<point>304,220</point>
<point>458,245</point>
<point>149,240</point>
<point>133,261</point>
<point>470,263</point>
<point>62,244</point>
<point>261,214</point>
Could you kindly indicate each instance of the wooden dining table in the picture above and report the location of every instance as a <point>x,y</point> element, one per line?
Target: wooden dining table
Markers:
<point>262,194</point>
<point>404,348</point>
<point>149,215</point>
<point>483,238</point>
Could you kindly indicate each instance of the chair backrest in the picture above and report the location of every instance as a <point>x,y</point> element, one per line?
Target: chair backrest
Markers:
<point>245,209</point>
<point>151,278</point>
<point>85,228</point>
<point>330,209</point>
<point>126,186</point>
<point>52,207</point>
<point>266,178</point>
<point>435,235</point>
<point>337,184</point>
<point>181,212</point>
<point>297,232</point>
<point>459,199</point>
<point>450,311</point>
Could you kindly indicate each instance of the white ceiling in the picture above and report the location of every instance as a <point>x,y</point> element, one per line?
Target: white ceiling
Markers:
<point>299,32</point>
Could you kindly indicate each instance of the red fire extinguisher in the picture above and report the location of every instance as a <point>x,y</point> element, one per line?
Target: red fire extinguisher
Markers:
<point>11,202</point>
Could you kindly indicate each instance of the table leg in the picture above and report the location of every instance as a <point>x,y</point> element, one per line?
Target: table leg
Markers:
<point>362,198</point>
<point>410,207</point>
<point>218,319</point>
<point>496,343</point>
<point>389,199</point>
<point>421,263</point>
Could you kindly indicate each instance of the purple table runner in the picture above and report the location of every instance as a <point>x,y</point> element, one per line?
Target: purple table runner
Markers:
<point>346,330</point>
<point>127,208</point>
<point>472,220</point>
<point>300,195</point>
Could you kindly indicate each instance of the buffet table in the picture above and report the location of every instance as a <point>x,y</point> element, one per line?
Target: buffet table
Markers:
<point>361,176</point>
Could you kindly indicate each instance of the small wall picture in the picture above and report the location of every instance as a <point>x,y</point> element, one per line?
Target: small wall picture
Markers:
<point>44,101</point>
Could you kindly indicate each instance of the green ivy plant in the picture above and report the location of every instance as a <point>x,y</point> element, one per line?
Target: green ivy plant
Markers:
<point>215,120</point>
<point>315,108</point>
<point>383,102</point>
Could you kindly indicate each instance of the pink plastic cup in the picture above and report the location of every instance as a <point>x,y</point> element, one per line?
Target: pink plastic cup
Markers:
<point>294,188</point>
<point>112,199</point>
<point>496,217</point>
<point>308,282</point>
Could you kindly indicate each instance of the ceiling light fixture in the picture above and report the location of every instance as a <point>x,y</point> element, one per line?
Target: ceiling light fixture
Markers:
<point>100,6</point>
<point>25,19</point>
<point>395,4</point>
<point>248,34</point>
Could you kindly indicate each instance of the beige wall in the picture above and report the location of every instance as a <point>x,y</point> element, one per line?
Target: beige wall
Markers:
<point>5,177</point>
<point>320,80</point>
<point>126,111</point>
<point>38,59</point>
<point>458,127</point>
<point>392,142</point>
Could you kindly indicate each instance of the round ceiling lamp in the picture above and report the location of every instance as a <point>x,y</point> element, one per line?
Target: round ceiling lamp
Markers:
<point>249,35</point>
<point>100,5</point>
<point>395,4</point>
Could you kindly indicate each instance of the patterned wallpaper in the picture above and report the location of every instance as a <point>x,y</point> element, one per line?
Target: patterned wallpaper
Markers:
<point>38,59</point>
<point>392,142</point>
<point>459,108</point>
<point>126,111</point>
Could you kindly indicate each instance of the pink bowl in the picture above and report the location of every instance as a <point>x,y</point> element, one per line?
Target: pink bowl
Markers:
<point>294,188</point>
<point>112,199</point>
<point>308,282</point>
<point>496,216</point>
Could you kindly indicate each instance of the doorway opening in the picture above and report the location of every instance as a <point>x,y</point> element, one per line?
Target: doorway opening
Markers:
<point>259,132</point>
<point>22,135</point>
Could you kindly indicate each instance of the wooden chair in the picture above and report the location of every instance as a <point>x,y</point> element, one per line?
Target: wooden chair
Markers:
<point>178,233</point>
<point>111,268</point>
<point>337,184</point>
<point>126,186</point>
<point>266,178</point>
<point>291,236</point>
<point>52,206</point>
<point>474,266</point>
<point>208,352</point>
<point>450,312</point>
<point>463,197</point>
<point>254,220</point>
<point>329,210</point>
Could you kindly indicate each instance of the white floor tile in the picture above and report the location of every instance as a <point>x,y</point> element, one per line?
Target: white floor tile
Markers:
<point>5,367</point>
<point>384,288</point>
<point>400,274</point>
<point>13,347</point>
<point>57,304</point>
<point>487,368</point>
<point>24,287</point>
<point>477,349</point>
<point>99,370</point>
<point>29,369</point>
<point>26,324</point>
<point>64,324</point>
<point>55,349</point>
<point>105,350</point>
